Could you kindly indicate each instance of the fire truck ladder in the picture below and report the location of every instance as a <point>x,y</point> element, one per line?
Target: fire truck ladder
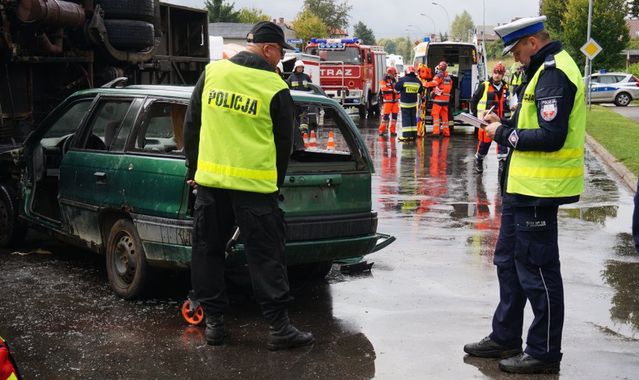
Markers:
<point>341,89</point>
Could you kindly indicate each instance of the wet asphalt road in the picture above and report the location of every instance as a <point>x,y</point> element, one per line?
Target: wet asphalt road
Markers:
<point>429,293</point>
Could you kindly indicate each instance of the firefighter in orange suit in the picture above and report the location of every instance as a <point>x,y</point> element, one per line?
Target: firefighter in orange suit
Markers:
<point>391,102</point>
<point>425,75</point>
<point>442,86</point>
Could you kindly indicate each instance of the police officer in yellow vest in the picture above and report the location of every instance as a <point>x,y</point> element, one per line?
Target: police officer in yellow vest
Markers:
<point>545,169</point>
<point>237,140</point>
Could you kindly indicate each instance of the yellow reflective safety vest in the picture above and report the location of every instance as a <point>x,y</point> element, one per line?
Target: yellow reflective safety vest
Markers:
<point>516,79</point>
<point>551,174</point>
<point>497,98</point>
<point>237,148</point>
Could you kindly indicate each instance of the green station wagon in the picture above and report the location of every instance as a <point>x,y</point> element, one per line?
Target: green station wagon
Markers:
<point>105,170</point>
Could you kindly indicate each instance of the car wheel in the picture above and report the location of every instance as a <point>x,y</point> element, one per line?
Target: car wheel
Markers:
<point>11,230</point>
<point>125,260</point>
<point>128,9</point>
<point>623,99</point>
<point>129,34</point>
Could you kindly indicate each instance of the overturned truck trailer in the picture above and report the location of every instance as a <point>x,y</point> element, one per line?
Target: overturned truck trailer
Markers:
<point>52,48</point>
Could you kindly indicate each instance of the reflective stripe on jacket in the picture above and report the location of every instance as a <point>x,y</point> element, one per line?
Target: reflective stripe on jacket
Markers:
<point>237,147</point>
<point>443,85</point>
<point>409,88</point>
<point>551,174</point>
<point>387,87</point>
<point>498,98</point>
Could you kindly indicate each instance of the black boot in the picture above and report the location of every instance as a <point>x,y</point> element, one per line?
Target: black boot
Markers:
<point>479,164</point>
<point>525,363</point>
<point>214,330</point>
<point>283,335</point>
<point>488,348</point>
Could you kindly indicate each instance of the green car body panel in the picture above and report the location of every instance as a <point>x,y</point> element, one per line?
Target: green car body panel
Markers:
<point>327,204</point>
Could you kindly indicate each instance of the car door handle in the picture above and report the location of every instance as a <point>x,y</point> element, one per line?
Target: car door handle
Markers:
<point>100,178</point>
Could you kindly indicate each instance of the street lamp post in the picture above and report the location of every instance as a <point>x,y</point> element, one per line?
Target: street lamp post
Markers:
<point>417,27</point>
<point>483,27</point>
<point>431,19</point>
<point>447,17</point>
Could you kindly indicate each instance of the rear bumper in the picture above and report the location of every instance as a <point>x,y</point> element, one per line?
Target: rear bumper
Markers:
<point>305,252</point>
<point>309,240</point>
<point>300,252</point>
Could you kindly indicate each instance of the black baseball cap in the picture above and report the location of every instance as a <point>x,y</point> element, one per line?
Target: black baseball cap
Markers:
<point>267,32</point>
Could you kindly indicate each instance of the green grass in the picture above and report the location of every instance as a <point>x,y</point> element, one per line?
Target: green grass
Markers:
<point>618,134</point>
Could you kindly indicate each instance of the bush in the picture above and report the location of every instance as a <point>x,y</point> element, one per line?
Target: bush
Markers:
<point>633,69</point>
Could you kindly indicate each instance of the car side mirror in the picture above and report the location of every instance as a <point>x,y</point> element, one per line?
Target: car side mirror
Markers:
<point>369,57</point>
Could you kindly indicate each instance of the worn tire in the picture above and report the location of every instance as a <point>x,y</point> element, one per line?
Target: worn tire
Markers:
<point>129,34</point>
<point>623,99</point>
<point>11,230</point>
<point>128,9</point>
<point>125,260</point>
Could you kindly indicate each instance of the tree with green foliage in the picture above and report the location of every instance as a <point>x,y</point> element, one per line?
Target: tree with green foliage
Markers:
<point>405,48</point>
<point>554,11</point>
<point>389,45</point>
<point>494,49</point>
<point>461,27</point>
<point>364,33</point>
<point>633,8</point>
<point>608,29</point>
<point>307,25</point>
<point>399,45</point>
<point>333,14</point>
<point>252,16</point>
<point>219,11</point>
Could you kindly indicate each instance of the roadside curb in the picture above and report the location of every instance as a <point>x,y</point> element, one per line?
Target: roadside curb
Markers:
<point>626,176</point>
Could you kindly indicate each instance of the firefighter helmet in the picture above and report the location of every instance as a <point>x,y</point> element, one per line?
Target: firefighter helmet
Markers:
<point>410,70</point>
<point>298,63</point>
<point>499,68</point>
<point>442,66</point>
<point>280,66</point>
<point>391,70</point>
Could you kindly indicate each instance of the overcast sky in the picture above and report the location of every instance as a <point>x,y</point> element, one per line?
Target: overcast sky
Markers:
<point>390,18</point>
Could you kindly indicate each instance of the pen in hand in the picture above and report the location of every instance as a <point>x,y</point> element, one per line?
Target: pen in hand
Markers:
<point>489,111</point>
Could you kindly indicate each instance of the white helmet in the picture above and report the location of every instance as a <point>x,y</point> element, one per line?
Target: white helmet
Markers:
<point>298,63</point>
<point>280,66</point>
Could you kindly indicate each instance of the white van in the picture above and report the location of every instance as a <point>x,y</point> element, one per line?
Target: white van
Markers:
<point>466,67</point>
<point>396,61</point>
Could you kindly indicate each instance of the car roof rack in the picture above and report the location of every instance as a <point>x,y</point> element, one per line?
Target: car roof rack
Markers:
<point>118,82</point>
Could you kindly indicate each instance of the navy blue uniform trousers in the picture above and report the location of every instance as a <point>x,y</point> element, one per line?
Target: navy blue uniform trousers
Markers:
<point>527,260</point>
<point>409,119</point>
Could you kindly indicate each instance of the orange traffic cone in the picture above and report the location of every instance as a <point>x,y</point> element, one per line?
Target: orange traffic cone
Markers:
<point>313,141</point>
<point>331,141</point>
<point>305,138</point>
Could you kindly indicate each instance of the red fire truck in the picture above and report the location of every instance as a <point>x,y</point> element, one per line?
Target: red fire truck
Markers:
<point>350,72</point>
